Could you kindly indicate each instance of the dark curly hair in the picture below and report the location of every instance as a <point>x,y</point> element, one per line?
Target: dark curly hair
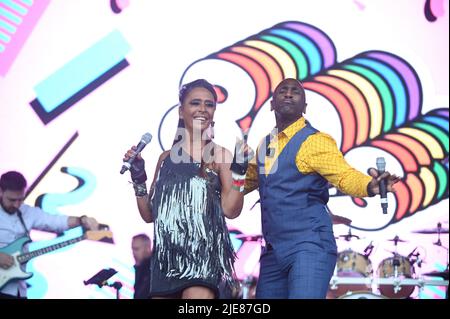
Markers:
<point>13,181</point>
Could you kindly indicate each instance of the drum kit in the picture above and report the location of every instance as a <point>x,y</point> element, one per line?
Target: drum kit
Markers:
<point>395,276</point>
<point>354,276</point>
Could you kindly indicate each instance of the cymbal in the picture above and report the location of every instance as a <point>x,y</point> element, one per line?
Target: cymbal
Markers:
<point>348,237</point>
<point>435,230</point>
<point>398,240</point>
<point>336,219</point>
<point>443,274</point>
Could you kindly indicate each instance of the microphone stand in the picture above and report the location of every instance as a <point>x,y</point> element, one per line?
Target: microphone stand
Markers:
<point>116,285</point>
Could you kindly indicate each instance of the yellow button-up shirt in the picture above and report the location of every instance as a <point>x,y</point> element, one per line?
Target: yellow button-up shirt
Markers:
<point>318,154</point>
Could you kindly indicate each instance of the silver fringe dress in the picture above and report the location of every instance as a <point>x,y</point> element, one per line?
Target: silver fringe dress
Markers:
<point>192,245</point>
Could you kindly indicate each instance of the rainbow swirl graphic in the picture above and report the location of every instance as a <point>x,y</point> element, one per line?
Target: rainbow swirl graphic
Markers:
<point>289,49</point>
<point>378,98</point>
<point>372,92</point>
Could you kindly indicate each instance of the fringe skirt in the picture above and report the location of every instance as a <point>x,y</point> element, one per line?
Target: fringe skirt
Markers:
<point>192,246</point>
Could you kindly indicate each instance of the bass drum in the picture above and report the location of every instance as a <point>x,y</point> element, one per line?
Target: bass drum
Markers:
<point>351,264</point>
<point>361,295</point>
<point>396,267</point>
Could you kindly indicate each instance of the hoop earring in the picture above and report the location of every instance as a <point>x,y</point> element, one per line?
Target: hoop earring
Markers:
<point>211,130</point>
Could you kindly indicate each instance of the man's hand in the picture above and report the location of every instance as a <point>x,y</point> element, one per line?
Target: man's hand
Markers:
<point>6,261</point>
<point>89,223</point>
<point>374,184</point>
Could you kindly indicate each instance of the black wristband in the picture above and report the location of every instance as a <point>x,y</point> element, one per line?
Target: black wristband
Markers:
<point>239,168</point>
<point>137,171</point>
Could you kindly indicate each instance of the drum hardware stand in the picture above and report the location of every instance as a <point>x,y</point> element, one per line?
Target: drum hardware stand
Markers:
<point>333,283</point>
<point>368,250</point>
<point>397,286</point>
<point>334,279</point>
<point>421,285</point>
<point>417,261</point>
<point>439,243</point>
<point>396,264</point>
<point>397,280</point>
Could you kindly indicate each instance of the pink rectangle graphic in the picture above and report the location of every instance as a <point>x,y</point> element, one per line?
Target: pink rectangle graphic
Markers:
<point>18,38</point>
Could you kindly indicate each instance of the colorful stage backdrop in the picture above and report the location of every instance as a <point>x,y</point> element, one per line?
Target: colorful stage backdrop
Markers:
<point>81,81</point>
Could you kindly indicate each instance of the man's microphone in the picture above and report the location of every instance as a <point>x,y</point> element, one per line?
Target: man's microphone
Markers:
<point>145,139</point>
<point>381,164</point>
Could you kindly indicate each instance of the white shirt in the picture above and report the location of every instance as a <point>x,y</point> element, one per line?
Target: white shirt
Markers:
<point>11,229</point>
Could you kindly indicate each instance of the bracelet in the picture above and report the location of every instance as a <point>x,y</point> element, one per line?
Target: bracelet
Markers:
<point>238,182</point>
<point>237,188</point>
<point>140,190</point>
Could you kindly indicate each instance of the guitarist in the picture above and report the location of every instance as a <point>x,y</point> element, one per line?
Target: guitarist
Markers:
<point>17,219</point>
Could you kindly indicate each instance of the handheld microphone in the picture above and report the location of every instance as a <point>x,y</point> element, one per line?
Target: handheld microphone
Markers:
<point>381,164</point>
<point>145,139</point>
